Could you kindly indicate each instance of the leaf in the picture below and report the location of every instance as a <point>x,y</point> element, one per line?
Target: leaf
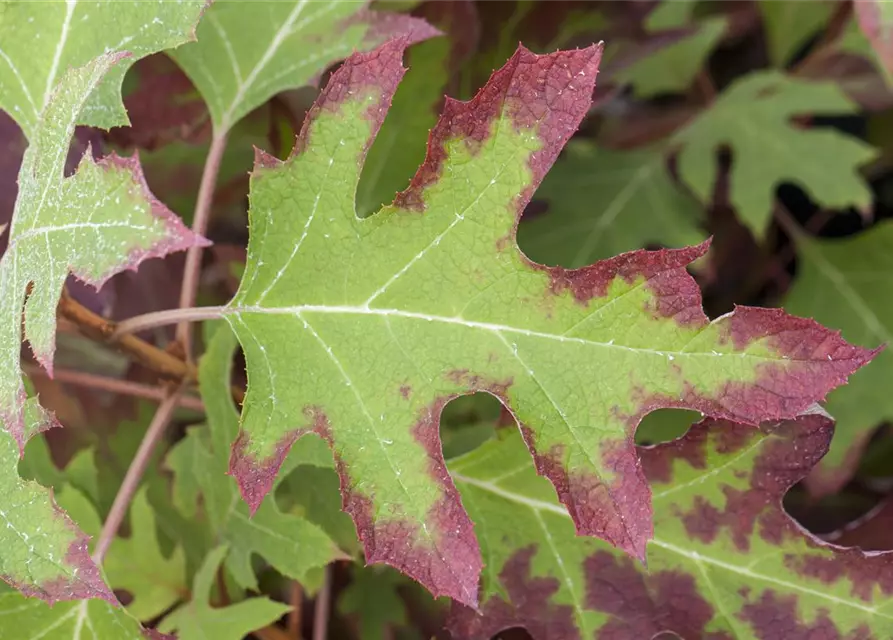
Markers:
<point>137,565</point>
<point>790,25</point>
<point>246,52</point>
<point>44,553</point>
<point>360,330</point>
<point>372,596</point>
<point>603,202</point>
<point>290,543</point>
<point>753,117</point>
<point>726,561</point>
<point>875,18</point>
<point>197,620</point>
<point>672,68</point>
<point>837,283</point>
<point>41,40</point>
<point>83,620</point>
<point>96,223</point>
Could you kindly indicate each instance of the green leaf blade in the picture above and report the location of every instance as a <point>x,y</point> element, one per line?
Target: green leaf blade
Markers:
<point>42,40</point>
<point>302,38</point>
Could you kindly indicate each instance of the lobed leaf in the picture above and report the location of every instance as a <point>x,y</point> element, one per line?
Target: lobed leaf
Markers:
<point>726,561</point>
<point>361,330</point>
<point>247,52</point>
<point>42,40</point>
<point>837,283</point>
<point>197,620</point>
<point>753,118</point>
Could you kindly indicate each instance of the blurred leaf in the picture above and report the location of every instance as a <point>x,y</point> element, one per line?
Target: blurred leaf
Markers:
<point>603,202</point>
<point>372,596</point>
<point>790,23</point>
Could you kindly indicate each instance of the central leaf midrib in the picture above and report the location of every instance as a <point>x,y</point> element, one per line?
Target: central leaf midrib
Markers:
<point>298,311</point>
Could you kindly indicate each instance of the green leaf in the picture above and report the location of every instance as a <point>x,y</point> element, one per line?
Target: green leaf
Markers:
<point>41,40</point>
<point>83,620</point>
<point>725,562</point>
<point>290,543</point>
<point>753,117</point>
<point>44,553</point>
<point>360,330</point>
<point>838,283</point>
<point>669,15</point>
<point>672,69</point>
<point>400,147</point>
<point>603,202</point>
<point>198,620</point>
<point>137,565</point>
<point>372,596</point>
<point>247,52</point>
<point>789,24</point>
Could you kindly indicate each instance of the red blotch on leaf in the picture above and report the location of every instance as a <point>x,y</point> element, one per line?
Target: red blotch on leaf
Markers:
<point>878,31</point>
<point>642,606</point>
<point>616,509</point>
<point>775,617</point>
<point>86,581</point>
<point>529,606</point>
<point>550,93</point>
<point>256,477</point>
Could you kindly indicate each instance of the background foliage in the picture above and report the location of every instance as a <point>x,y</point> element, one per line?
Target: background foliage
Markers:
<point>765,125</point>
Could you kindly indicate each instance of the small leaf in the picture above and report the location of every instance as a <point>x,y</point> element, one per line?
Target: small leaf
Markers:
<point>137,565</point>
<point>83,620</point>
<point>291,544</point>
<point>753,117</point>
<point>603,202</point>
<point>247,52</point>
<point>361,330</point>
<point>726,561</point>
<point>372,596</point>
<point>197,620</point>
<point>42,40</point>
<point>837,283</point>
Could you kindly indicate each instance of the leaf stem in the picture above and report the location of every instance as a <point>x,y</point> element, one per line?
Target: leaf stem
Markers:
<point>323,604</point>
<point>114,385</point>
<point>101,330</point>
<point>193,266</point>
<point>135,473</point>
<point>166,317</point>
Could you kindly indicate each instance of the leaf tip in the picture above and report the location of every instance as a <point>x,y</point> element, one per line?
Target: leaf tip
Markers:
<point>256,477</point>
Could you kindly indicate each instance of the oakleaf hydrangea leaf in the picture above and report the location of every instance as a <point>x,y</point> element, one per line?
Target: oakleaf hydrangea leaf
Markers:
<point>290,543</point>
<point>23,617</point>
<point>603,202</point>
<point>97,223</point>
<point>43,553</point>
<point>42,40</point>
<point>838,283</point>
<point>372,595</point>
<point>726,561</point>
<point>753,118</point>
<point>361,330</point>
<point>136,564</point>
<point>246,52</point>
<point>197,620</point>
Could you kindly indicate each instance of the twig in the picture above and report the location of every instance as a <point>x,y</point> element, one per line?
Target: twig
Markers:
<point>294,616</point>
<point>114,385</point>
<point>135,473</point>
<point>199,226</point>
<point>323,603</point>
<point>166,317</point>
<point>827,42</point>
<point>98,328</point>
